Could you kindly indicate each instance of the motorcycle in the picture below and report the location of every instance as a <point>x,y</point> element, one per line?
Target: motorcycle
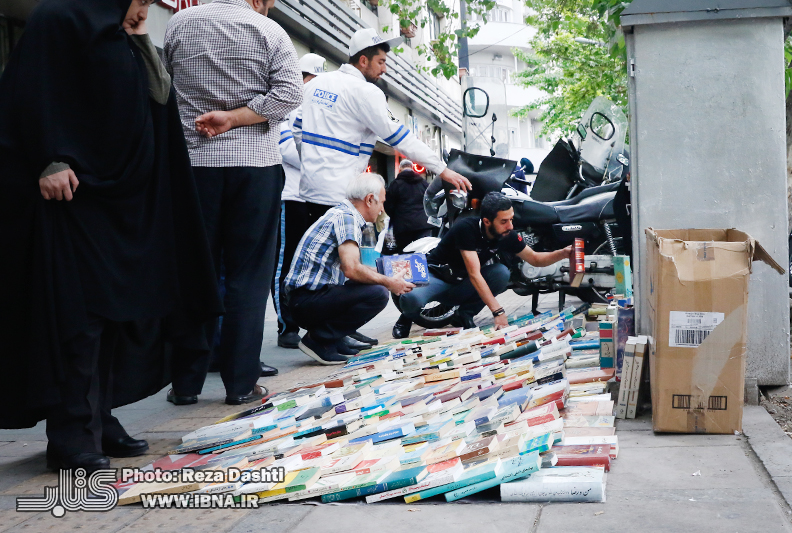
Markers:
<point>545,226</point>
<point>595,154</point>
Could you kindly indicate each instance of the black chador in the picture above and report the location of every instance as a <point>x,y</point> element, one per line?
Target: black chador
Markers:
<point>92,291</point>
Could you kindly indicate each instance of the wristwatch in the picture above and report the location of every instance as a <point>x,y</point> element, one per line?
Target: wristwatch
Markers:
<point>498,312</point>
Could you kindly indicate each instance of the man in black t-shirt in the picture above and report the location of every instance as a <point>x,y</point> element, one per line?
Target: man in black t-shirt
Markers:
<point>465,268</point>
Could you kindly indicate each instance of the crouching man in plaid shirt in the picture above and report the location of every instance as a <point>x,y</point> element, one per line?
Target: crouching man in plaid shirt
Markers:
<point>330,292</point>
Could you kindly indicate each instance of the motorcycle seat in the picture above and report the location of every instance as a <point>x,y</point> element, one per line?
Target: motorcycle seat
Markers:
<point>588,209</point>
<point>587,193</point>
<point>528,212</point>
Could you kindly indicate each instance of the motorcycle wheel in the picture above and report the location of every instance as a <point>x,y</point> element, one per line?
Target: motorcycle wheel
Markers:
<point>433,315</point>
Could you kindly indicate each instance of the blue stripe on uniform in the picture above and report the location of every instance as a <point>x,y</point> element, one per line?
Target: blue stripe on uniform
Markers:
<point>330,139</point>
<point>284,139</point>
<point>406,133</point>
<point>396,133</point>
<point>324,145</point>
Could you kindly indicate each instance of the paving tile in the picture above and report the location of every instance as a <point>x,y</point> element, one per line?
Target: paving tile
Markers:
<point>181,520</point>
<point>673,468</point>
<point>650,516</point>
<point>183,425</point>
<point>273,519</point>
<point>648,439</point>
<point>23,448</point>
<point>33,485</point>
<point>401,517</point>
<point>104,522</point>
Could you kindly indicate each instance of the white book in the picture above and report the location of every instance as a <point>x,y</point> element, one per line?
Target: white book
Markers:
<point>558,484</point>
<point>613,440</point>
<point>626,375</point>
<point>635,379</point>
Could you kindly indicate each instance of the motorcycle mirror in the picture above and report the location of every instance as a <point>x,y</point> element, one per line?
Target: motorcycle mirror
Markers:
<point>621,158</point>
<point>476,102</point>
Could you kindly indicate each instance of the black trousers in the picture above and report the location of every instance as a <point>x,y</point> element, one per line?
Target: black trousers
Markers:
<point>333,312</point>
<point>405,238</point>
<point>241,208</point>
<point>293,220</point>
<point>314,212</point>
<point>83,417</point>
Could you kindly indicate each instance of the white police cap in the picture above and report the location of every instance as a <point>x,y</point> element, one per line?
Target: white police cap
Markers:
<point>312,64</point>
<point>366,37</point>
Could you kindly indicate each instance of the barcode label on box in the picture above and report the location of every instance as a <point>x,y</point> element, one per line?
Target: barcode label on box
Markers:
<point>689,330</point>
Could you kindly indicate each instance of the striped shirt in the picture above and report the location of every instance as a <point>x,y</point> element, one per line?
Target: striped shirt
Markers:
<point>223,56</point>
<point>316,262</point>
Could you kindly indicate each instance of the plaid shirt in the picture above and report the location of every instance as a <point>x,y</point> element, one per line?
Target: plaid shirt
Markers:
<point>223,56</point>
<point>316,262</point>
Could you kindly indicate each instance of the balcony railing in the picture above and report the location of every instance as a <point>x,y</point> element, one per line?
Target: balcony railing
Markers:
<point>330,24</point>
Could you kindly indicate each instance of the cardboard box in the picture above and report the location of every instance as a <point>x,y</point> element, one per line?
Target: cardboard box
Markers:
<point>698,296</point>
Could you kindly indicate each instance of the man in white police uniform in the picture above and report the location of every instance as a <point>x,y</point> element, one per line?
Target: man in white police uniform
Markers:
<point>293,222</point>
<point>342,115</point>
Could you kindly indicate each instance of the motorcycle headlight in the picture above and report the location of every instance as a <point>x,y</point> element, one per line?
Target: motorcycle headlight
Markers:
<point>432,203</point>
<point>459,199</point>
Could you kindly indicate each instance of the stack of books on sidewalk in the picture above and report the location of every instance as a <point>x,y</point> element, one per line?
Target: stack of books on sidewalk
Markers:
<point>446,414</point>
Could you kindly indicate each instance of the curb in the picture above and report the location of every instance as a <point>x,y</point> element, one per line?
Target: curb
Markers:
<point>772,446</point>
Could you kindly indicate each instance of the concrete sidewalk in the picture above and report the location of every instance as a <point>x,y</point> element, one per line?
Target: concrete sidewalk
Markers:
<point>651,486</point>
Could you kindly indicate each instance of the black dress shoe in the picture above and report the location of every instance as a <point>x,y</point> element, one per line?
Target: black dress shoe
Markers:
<point>289,340</point>
<point>267,370</point>
<point>345,349</point>
<point>362,338</point>
<point>91,462</point>
<point>124,447</point>
<point>401,329</point>
<point>175,399</point>
<point>257,393</point>
<point>355,344</point>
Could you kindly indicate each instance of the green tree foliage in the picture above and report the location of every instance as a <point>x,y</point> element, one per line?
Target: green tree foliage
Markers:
<point>577,54</point>
<point>444,50</point>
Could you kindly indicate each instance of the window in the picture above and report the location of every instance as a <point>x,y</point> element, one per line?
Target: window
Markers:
<point>493,71</point>
<point>498,14</point>
<point>434,26</point>
<point>514,136</point>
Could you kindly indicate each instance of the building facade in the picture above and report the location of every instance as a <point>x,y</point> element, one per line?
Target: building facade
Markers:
<point>491,56</point>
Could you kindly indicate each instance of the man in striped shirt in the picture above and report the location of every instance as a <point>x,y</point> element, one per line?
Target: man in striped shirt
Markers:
<point>330,292</point>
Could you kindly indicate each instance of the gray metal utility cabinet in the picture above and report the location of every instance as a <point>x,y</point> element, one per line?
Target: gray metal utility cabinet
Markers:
<point>708,146</point>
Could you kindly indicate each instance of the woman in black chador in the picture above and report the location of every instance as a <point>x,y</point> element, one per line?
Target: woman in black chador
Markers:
<point>104,265</point>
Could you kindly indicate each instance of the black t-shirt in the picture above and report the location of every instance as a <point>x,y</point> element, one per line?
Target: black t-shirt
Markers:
<point>469,234</point>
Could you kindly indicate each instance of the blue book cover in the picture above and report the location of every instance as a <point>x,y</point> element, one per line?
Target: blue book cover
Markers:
<point>412,267</point>
<point>512,469</point>
<point>471,477</point>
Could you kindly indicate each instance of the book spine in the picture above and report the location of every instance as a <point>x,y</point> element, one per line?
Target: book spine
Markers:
<point>552,492</point>
<point>348,494</point>
<point>449,487</point>
<point>635,385</point>
<point>415,487</point>
<point>522,469</point>
<point>627,370</point>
